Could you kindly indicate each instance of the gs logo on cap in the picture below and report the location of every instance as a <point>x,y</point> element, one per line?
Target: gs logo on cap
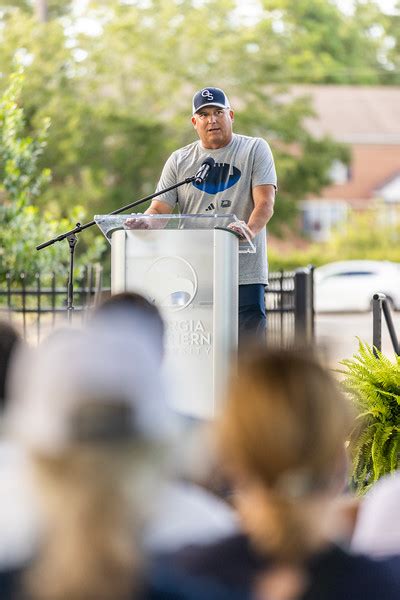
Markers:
<point>207,94</point>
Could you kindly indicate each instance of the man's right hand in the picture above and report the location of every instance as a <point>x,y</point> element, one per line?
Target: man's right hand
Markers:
<point>136,223</point>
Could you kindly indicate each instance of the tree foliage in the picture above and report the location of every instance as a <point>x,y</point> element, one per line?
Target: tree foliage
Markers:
<point>116,83</point>
<point>321,44</point>
<point>19,154</point>
<point>364,234</point>
<point>21,183</point>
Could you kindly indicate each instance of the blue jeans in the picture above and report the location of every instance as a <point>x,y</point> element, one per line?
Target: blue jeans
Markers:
<point>252,315</point>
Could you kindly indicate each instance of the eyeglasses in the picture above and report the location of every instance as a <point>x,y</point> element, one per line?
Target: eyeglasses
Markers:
<point>218,114</point>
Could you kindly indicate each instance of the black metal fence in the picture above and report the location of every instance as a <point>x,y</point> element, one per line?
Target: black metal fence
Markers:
<point>289,300</point>
<point>380,305</point>
<point>40,305</point>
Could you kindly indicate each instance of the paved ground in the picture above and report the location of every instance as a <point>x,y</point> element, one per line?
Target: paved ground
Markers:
<point>338,334</point>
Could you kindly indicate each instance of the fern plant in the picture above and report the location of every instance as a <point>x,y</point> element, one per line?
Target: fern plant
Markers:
<point>373,383</point>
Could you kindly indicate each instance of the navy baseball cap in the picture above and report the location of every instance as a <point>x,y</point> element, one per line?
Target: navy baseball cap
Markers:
<point>209,96</point>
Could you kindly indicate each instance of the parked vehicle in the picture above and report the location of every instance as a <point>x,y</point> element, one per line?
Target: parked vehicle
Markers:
<point>350,285</point>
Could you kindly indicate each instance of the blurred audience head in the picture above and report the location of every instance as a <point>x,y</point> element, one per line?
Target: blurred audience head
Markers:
<point>136,314</point>
<point>10,340</point>
<point>282,436</point>
<point>377,530</point>
<point>97,429</point>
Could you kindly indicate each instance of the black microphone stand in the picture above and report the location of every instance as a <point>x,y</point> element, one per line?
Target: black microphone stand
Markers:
<point>72,238</point>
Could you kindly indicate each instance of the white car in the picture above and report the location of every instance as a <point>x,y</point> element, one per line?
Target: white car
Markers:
<point>350,285</point>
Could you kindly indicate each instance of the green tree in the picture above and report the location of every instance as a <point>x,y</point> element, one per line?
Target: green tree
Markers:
<point>318,43</point>
<point>21,183</point>
<point>392,47</point>
<point>100,150</point>
<point>118,96</point>
<point>21,178</point>
<point>55,8</point>
<point>362,235</point>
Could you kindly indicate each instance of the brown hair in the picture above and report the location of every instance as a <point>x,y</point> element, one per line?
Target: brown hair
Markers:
<point>10,341</point>
<point>283,430</point>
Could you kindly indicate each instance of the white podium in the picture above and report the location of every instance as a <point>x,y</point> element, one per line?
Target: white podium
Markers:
<point>188,266</point>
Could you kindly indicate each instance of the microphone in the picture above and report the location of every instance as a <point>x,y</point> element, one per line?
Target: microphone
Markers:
<point>204,170</point>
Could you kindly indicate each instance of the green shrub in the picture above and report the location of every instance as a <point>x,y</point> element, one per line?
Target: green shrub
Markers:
<point>373,383</point>
<point>363,235</point>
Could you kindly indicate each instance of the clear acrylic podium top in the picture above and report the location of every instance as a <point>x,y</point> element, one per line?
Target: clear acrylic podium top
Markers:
<point>110,223</point>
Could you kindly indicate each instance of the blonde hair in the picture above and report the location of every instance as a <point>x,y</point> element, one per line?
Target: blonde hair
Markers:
<point>283,430</point>
<point>97,428</point>
<point>94,500</point>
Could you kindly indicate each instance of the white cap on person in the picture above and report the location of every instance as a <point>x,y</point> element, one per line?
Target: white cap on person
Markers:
<point>88,385</point>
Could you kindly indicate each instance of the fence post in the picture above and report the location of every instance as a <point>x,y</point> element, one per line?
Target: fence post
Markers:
<point>23,299</point>
<point>97,284</point>
<point>8,280</point>
<point>389,322</point>
<point>379,305</point>
<point>38,305</point>
<point>312,270</point>
<point>377,322</point>
<point>303,306</point>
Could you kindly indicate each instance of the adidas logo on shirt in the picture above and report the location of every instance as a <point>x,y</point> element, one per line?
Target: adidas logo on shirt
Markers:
<point>210,207</point>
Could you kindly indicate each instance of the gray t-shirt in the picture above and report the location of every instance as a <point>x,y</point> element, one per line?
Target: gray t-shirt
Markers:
<point>241,165</point>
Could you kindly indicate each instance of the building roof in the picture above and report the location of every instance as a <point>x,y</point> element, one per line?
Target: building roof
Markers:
<point>390,189</point>
<point>354,114</point>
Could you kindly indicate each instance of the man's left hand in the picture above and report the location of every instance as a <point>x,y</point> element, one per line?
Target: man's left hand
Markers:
<point>238,227</point>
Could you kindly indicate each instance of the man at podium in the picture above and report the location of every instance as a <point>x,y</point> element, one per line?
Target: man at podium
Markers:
<point>236,175</point>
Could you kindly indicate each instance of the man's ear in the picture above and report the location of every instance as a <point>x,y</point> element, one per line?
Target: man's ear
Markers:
<point>232,115</point>
<point>194,122</point>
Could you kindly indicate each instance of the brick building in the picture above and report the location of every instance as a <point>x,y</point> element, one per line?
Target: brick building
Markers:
<point>367,119</point>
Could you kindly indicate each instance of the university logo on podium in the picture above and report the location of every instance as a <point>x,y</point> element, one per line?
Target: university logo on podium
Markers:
<point>171,282</point>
